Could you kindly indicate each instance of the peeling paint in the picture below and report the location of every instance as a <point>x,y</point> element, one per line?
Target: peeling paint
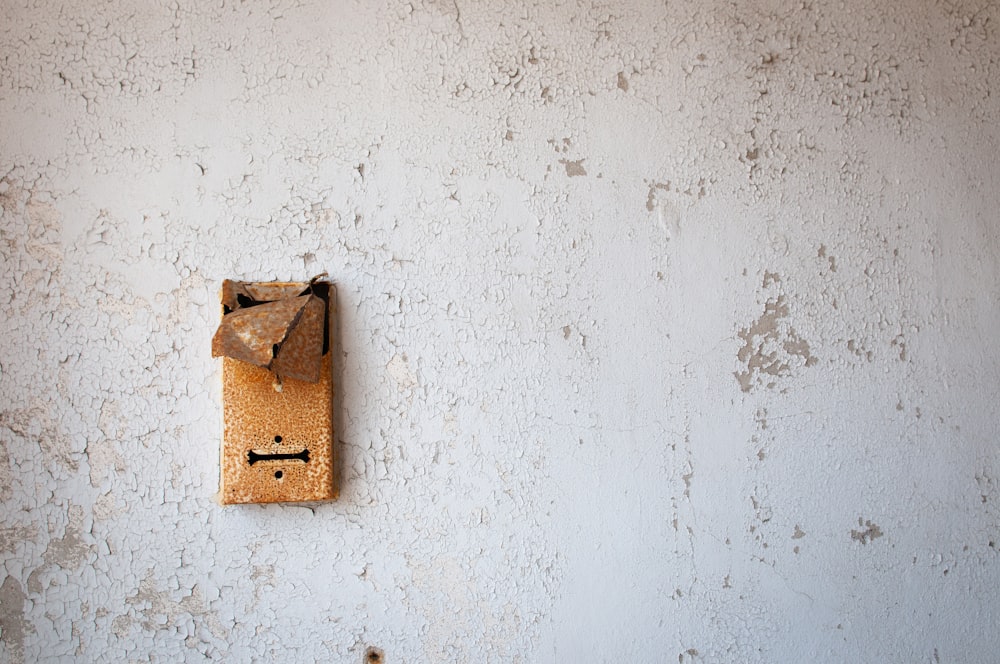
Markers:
<point>157,610</point>
<point>574,168</point>
<point>641,305</point>
<point>771,347</point>
<point>868,532</point>
<point>67,553</point>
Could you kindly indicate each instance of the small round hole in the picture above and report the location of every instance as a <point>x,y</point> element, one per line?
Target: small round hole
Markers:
<point>278,474</point>
<point>277,439</point>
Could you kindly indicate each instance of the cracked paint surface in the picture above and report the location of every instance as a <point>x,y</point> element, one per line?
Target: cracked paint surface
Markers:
<point>664,328</point>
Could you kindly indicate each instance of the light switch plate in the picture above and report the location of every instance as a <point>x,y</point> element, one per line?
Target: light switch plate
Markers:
<point>277,443</point>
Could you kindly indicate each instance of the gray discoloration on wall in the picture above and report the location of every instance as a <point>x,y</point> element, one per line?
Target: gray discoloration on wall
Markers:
<point>13,626</point>
<point>640,307</point>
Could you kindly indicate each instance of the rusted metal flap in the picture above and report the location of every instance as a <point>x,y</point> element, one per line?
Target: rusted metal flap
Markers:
<point>235,295</point>
<point>300,356</point>
<point>255,334</point>
<point>242,294</point>
<point>269,292</point>
<point>280,326</point>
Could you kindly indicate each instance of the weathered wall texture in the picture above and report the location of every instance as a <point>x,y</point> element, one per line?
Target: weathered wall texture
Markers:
<point>668,332</point>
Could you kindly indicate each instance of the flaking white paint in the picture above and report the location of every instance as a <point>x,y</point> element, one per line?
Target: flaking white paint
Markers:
<point>666,329</point>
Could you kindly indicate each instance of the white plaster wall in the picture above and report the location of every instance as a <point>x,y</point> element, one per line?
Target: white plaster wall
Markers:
<point>668,330</point>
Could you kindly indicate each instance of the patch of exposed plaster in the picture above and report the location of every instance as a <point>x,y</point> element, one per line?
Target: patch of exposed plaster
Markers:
<point>36,424</point>
<point>11,536</point>
<point>868,531</point>
<point>157,610</point>
<point>771,348</point>
<point>574,168</point>
<point>651,196</point>
<point>67,553</point>
<point>13,626</point>
<point>103,456</point>
<point>6,472</point>
<point>400,371</point>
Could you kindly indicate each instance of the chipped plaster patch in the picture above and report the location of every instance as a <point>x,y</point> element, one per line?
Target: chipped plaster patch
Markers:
<point>868,531</point>
<point>66,553</point>
<point>400,371</point>
<point>13,626</point>
<point>160,611</point>
<point>6,472</point>
<point>37,425</point>
<point>11,536</point>
<point>574,168</point>
<point>102,456</point>
<point>771,347</point>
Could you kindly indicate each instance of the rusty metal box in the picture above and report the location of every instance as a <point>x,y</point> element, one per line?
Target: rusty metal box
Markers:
<point>275,340</point>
